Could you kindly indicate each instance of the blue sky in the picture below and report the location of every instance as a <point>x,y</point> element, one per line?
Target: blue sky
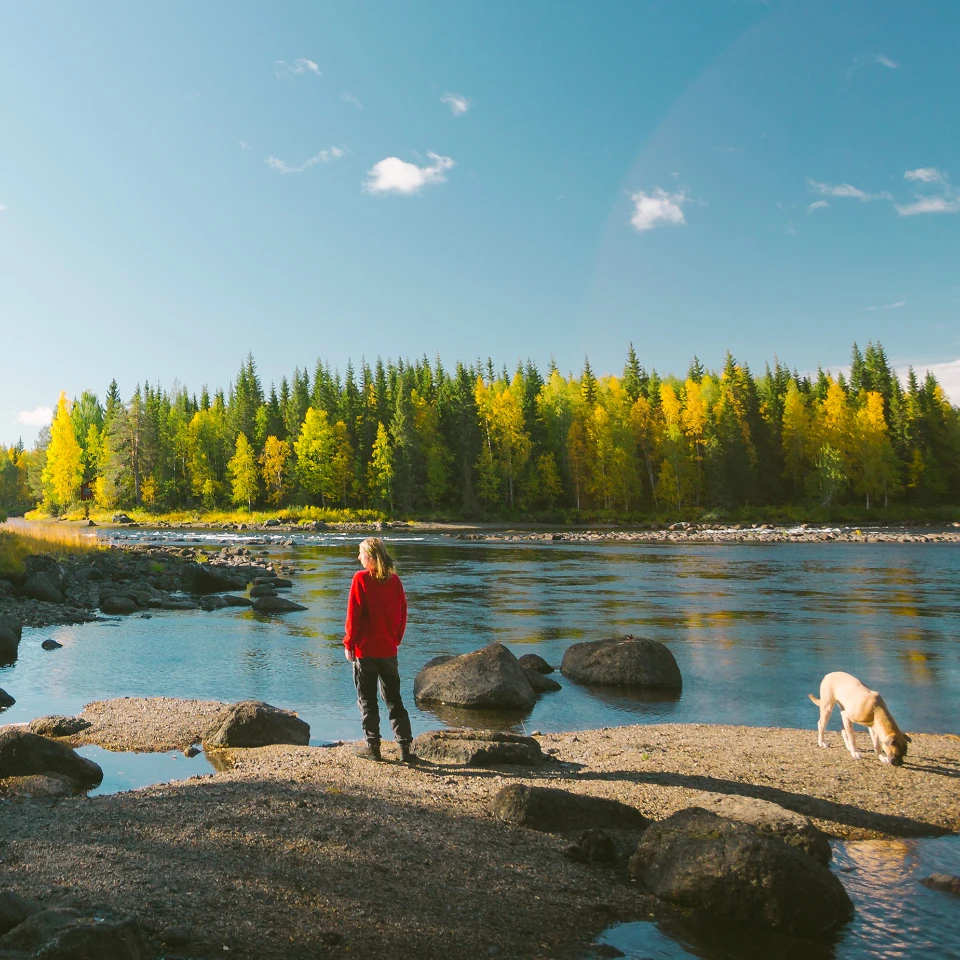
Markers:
<point>183,183</point>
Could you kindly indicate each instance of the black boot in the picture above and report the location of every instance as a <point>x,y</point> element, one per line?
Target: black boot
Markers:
<point>406,753</point>
<point>369,750</point>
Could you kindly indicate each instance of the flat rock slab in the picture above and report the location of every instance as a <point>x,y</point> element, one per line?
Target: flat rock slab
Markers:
<point>276,605</point>
<point>57,726</point>
<point>148,723</point>
<point>550,809</point>
<point>730,871</point>
<point>477,748</point>
<point>624,661</point>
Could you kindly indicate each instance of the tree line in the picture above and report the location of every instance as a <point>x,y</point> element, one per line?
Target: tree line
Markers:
<point>412,438</point>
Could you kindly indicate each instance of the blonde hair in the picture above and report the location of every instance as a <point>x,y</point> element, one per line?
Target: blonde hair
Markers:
<point>375,548</point>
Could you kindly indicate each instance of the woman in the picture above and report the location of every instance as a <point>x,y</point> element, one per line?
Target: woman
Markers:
<point>376,619</point>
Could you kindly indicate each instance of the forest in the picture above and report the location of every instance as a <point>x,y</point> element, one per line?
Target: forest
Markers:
<point>415,440</point>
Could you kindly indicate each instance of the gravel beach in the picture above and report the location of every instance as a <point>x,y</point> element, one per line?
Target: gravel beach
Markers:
<point>293,852</point>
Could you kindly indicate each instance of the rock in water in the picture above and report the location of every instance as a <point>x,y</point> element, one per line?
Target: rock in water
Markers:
<point>51,644</point>
<point>115,604</point>
<point>738,874</point>
<point>539,682</point>
<point>477,748</point>
<point>275,605</point>
<point>549,809</point>
<point>252,723</point>
<point>535,662</point>
<point>624,661</point>
<point>11,631</point>
<point>491,677</point>
<point>5,699</point>
<point>23,753</point>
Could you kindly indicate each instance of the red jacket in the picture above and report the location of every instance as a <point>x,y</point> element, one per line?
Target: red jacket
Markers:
<point>376,615</point>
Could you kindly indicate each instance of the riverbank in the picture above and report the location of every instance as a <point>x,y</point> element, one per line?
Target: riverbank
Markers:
<point>295,852</point>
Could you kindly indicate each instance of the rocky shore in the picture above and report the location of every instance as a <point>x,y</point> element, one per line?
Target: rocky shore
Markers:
<point>123,580</point>
<point>294,851</point>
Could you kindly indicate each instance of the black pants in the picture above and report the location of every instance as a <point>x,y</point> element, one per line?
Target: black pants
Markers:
<point>366,672</point>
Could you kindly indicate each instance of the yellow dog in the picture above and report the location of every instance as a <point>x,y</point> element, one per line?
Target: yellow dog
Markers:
<point>859,704</point>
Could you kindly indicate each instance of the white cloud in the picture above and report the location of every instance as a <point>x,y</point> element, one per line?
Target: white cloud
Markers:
<point>244,145</point>
<point>926,175</point>
<point>878,59</point>
<point>846,190</point>
<point>817,205</point>
<point>324,156</point>
<point>947,374</point>
<point>393,175</point>
<point>658,209</point>
<point>296,68</point>
<point>458,105</point>
<point>38,417</point>
<point>350,98</point>
<point>944,204</point>
<point>887,306</point>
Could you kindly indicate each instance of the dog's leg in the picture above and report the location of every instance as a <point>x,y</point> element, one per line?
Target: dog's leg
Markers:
<point>826,708</point>
<point>878,746</point>
<point>848,735</point>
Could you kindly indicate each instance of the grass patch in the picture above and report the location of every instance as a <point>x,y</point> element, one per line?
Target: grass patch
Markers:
<point>19,540</point>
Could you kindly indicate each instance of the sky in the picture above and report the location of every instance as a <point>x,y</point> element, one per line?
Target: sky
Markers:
<point>183,183</point>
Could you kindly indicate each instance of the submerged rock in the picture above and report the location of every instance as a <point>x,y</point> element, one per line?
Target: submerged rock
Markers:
<point>624,661</point>
<point>942,881</point>
<point>491,677</point>
<point>252,723</point>
<point>550,809</point>
<point>477,748</point>
<point>735,873</point>
<point>23,753</point>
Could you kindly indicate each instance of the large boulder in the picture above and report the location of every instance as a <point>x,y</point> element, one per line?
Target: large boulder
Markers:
<point>5,699</point>
<point>206,578</point>
<point>624,661</point>
<point>793,828</point>
<point>47,565</point>
<point>68,934</point>
<point>252,723</point>
<point>491,677</point>
<point>23,754</point>
<point>731,871</point>
<point>41,586</point>
<point>550,809</point>
<point>275,605</point>
<point>10,632</point>
<point>478,748</point>
<point>119,604</point>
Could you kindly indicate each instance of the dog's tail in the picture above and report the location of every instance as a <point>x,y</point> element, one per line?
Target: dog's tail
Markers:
<point>814,699</point>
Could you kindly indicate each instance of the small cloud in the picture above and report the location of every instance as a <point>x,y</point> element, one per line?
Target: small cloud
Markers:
<point>926,175</point>
<point>393,175</point>
<point>350,98</point>
<point>875,59</point>
<point>296,68</point>
<point>458,105</point>
<point>817,205</point>
<point>244,145</point>
<point>3,207</point>
<point>38,417</point>
<point>846,190</point>
<point>658,209</point>
<point>944,204</point>
<point>791,229</point>
<point>896,305</point>
<point>324,156</point>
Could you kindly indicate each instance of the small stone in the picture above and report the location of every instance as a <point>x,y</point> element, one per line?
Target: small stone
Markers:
<point>51,644</point>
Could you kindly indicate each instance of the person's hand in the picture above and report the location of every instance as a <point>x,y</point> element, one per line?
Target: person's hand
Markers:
<point>349,654</point>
